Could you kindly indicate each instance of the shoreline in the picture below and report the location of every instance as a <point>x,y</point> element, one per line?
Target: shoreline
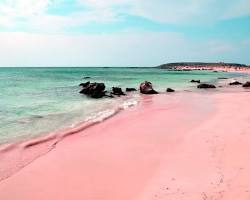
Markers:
<point>141,153</point>
<point>149,133</point>
<point>125,116</point>
<point>204,66</point>
<point>15,156</point>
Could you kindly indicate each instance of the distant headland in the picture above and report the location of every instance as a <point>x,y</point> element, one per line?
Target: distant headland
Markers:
<point>204,66</point>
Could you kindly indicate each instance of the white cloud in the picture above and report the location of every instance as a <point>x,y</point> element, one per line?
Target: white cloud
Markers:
<point>14,11</point>
<point>237,9</point>
<point>219,47</point>
<point>126,48</point>
<point>246,42</point>
<point>175,12</point>
<point>33,14</point>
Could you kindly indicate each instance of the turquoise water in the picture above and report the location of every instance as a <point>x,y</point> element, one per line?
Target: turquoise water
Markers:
<point>35,101</point>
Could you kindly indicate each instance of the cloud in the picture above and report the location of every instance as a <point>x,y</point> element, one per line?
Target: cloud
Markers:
<point>175,12</point>
<point>126,48</point>
<point>35,14</point>
<point>121,49</point>
<point>236,9</point>
<point>219,47</point>
<point>13,12</point>
<point>246,42</point>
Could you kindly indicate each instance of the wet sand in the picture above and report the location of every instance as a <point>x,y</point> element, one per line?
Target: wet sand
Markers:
<point>186,145</point>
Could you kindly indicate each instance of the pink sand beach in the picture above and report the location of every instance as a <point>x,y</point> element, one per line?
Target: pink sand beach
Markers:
<point>187,145</point>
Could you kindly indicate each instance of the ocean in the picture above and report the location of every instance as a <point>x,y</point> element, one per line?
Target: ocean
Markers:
<point>37,101</point>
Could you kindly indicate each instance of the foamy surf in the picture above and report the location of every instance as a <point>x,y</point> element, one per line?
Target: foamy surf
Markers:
<point>15,156</point>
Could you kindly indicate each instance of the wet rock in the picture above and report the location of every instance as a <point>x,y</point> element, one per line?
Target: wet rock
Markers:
<point>222,78</point>
<point>195,81</point>
<point>84,84</point>
<point>205,86</point>
<point>86,77</point>
<point>93,90</point>
<point>235,83</point>
<point>170,90</point>
<point>117,91</point>
<point>147,88</point>
<point>247,84</point>
<point>130,89</point>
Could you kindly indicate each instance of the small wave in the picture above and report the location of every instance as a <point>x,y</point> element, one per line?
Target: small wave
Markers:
<point>102,115</point>
<point>43,145</point>
<point>129,103</point>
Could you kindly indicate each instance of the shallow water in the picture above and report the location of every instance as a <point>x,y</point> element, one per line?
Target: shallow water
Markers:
<point>35,101</point>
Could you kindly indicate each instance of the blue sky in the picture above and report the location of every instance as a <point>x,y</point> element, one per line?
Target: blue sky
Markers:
<point>123,32</point>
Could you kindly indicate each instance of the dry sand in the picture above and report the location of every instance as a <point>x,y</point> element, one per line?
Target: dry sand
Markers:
<point>187,145</point>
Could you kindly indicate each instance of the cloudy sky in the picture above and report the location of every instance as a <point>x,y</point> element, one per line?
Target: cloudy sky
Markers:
<point>123,32</point>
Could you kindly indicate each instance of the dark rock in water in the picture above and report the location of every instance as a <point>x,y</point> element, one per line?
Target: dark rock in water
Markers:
<point>147,88</point>
<point>117,91</point>
<point>205,86</point>
<point>195,81</point>
<point>235,83</point>
<point>93,90</point>
<point>84,84</point>
<point>247,84</point>
<point>222,78</point>
<point>86,77</point>
<point>215,71</point>
<point>170,90</point>
<point>97,94</point>
<point>130,89</point>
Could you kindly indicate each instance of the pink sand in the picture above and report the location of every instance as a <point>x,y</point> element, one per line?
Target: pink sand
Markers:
<point>182,146</point>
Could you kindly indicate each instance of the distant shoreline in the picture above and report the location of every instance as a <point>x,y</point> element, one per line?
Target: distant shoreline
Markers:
<point>205,66</point>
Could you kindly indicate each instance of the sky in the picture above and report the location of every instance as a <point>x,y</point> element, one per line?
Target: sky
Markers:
<point>123,32</point>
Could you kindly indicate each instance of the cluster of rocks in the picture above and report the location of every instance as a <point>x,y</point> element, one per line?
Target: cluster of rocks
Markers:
<point>93,90</point>
<point>245,85</point>
<point>203,85</point>
<point>97,90</point>
<point>207,86</point>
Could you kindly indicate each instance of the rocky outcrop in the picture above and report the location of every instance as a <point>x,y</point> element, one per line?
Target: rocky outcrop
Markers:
<point>93,90</point>
<point>170,90</point>
<point>222,78</point>
<point>84,84</point>
<point>147,88</point>
<point>195,81</point>
<point>117,91</point>
<point>130,89</point>
<point>205,86</point>
<point>235,83</point>
<point>247,84</point>
<point>210,66</point>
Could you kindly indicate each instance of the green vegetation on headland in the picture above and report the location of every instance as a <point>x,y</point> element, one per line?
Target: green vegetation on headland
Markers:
<point>178,65</point>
